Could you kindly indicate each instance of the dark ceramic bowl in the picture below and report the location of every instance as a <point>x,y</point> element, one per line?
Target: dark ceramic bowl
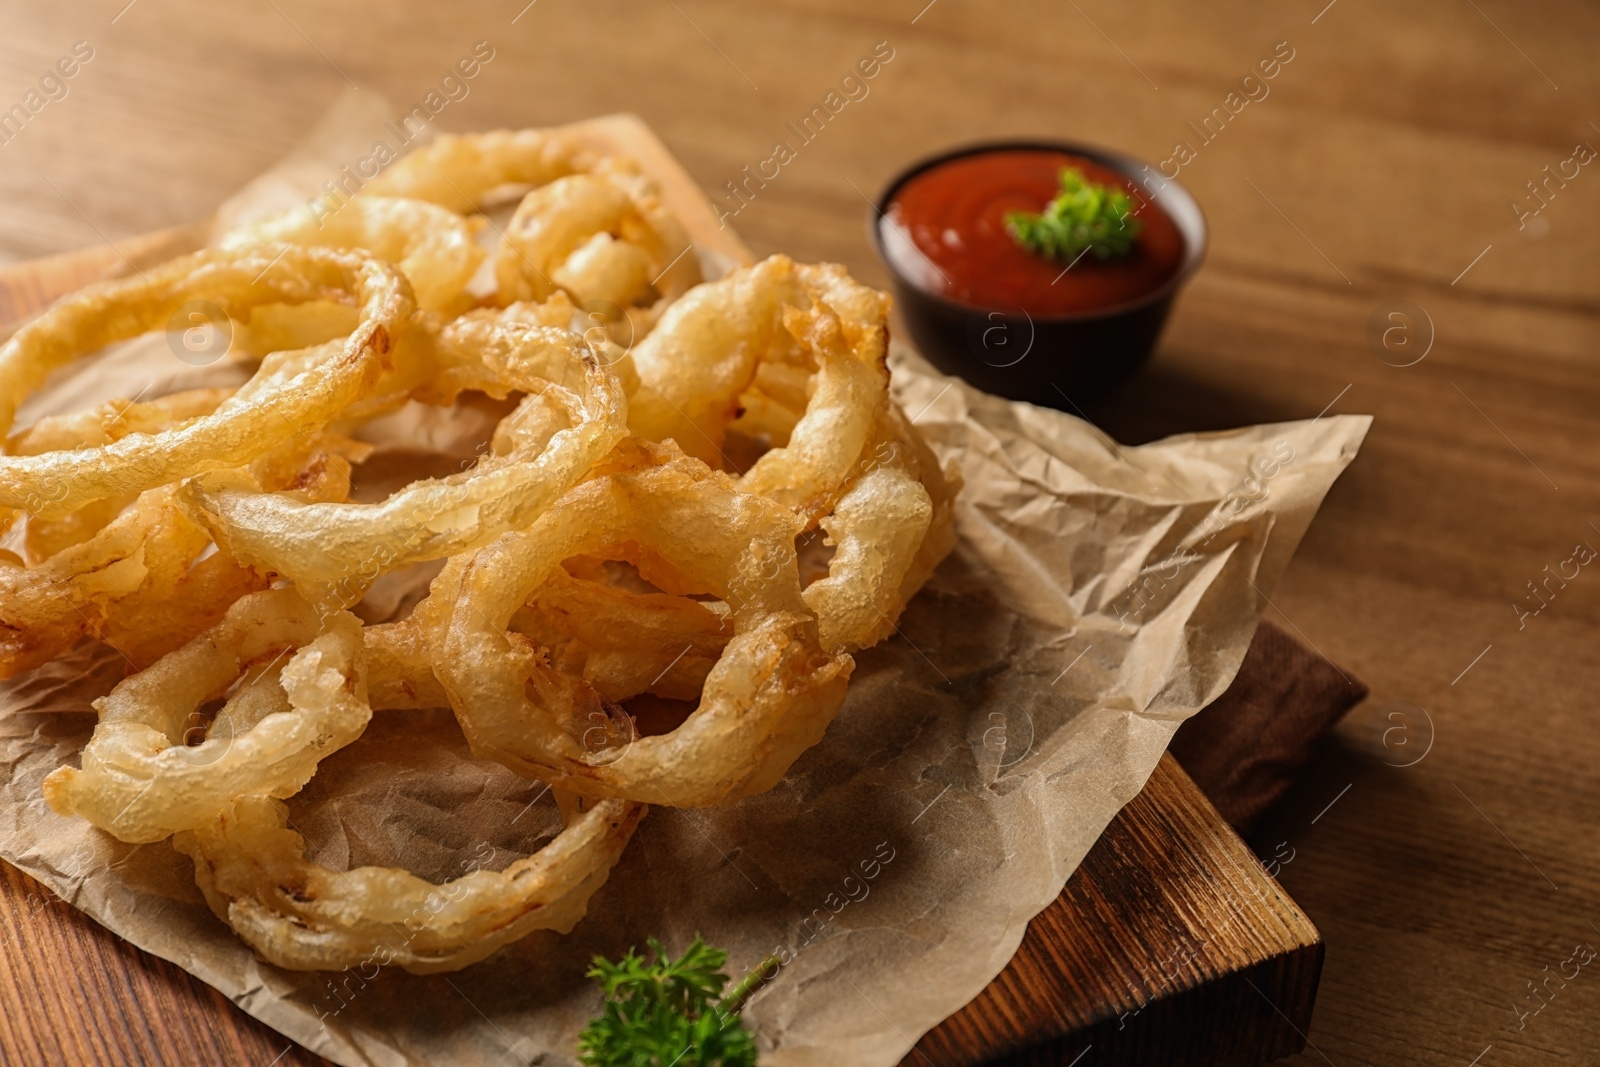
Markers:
<point>1058,361</point>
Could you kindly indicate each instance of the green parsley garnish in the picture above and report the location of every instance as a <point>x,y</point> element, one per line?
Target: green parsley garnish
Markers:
<point>1086,215</point>
<point>670,1012</point>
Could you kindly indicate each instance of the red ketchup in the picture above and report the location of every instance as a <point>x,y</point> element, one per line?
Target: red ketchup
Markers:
<point>952,217</point>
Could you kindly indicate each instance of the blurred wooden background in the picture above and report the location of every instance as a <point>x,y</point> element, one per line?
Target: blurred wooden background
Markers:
<point>1381,167</point>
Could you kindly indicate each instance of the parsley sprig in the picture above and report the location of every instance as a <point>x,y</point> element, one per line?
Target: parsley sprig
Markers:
<point>665,1012</point>
<point>1086,215</point>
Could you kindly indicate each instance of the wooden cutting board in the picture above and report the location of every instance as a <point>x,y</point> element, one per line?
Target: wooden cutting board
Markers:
<point>1169,946</point>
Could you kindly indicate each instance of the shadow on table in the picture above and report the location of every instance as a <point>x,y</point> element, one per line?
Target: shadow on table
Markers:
<point>1165,399</point>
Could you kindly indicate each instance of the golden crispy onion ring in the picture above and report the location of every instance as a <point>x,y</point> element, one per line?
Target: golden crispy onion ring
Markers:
<point>602,236</point>
<point>708,352</point>
<point>305,917</point>
<point>624,643</point>
<point>899,445</point>
<point>43,538</point>
<point>253,421</point>
<point>892,527</point>
<point>400,667</point>
<point>703,354</point>
<point>433,246</point>
<point>848,461</point>
<point>877,529</point>
<point>846,331</point>
<point>456,171</point>
<point>120,583</point>
<point>770,696</point>
<point>113,420</point>
<point>333,551</point>
<point>140,781</point>
<point>889,531</point>
<point>772,406</point>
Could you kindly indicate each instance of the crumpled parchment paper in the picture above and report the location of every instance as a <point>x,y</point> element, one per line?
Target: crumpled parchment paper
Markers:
<point>1098,597</point>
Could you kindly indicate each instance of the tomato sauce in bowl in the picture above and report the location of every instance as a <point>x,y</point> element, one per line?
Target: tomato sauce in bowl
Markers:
<point>1013,321</point>
<point>945,227</point>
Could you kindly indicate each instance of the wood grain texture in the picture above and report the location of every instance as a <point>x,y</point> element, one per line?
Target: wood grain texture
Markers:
<point>1169,945</point>
<point>1381,166</point>
<point>74,993</point>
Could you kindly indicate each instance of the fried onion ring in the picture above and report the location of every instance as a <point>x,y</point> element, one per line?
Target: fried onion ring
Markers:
<point>846,331</point>
<point>305,917</point>
<point>100,425</point>
<point>892,527</point>
<point>770,696</point>
<point>625,643</point>
<point>708,352</point>
<point>140,781</point>
<point>845,462</point>
<point>603,237</point>
<point>456,171</point>
<point>119,584</point>
<point>899,444</point>
<point>434,247</point>
<point>630,530</point>
<point>255,419</point>
<point>333,551</point>
<point>703,354</point>
<point>876,530</point>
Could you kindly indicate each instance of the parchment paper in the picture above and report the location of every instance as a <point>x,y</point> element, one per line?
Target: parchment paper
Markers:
<point>1098,597</point>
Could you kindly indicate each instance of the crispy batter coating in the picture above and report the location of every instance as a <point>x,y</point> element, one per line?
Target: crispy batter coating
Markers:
<point>631,529</point>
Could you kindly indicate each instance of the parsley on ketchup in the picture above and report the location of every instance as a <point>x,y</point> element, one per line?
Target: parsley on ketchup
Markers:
<point>954,214</point>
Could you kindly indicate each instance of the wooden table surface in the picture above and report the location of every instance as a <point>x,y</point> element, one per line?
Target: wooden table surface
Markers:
<point>1444,839</point>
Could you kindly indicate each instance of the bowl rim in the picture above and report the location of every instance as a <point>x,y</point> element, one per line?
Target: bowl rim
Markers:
<point>1195,231</point>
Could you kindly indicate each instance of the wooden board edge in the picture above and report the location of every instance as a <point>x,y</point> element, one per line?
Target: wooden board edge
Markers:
<point>1229,1022</point>
<point>1199,930</point>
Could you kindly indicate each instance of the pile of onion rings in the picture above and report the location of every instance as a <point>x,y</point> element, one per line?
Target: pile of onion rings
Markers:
<point>713,501</point>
